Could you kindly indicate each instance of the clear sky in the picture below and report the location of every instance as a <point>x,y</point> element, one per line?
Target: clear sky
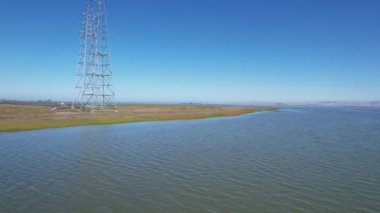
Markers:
<point>199,50</point>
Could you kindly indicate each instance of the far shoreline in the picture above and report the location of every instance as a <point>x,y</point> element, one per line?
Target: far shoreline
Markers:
<point>14,118</point>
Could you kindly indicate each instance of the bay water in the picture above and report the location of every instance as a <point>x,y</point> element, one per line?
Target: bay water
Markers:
<point>294,160</point>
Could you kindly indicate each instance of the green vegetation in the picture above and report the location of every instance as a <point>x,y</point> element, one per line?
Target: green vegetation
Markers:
<point>29,117</point>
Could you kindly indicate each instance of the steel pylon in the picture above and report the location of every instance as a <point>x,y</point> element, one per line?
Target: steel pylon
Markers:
<point>94,68</point>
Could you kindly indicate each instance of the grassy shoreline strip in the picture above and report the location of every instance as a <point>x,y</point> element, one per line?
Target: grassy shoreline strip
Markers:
<point>42,123</point>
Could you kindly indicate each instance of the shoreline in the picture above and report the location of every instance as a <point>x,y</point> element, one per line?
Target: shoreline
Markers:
<point>15,118</point>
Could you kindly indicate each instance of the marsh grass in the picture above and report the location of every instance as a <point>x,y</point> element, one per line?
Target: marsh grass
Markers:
<point>29,117</point>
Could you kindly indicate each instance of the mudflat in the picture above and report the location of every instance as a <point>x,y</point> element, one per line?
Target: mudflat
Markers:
<point>28,117</point>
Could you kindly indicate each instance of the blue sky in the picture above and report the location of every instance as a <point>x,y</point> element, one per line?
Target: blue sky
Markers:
<point>199,50</point>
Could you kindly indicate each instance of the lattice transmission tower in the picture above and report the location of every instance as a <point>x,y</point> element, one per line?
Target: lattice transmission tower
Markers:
<point>94,68</point>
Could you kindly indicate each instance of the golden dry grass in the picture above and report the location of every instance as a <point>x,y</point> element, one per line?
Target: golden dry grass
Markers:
<point>28,117</point>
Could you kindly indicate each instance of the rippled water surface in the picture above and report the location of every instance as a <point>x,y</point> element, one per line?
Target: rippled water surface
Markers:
<point>296,160</point>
